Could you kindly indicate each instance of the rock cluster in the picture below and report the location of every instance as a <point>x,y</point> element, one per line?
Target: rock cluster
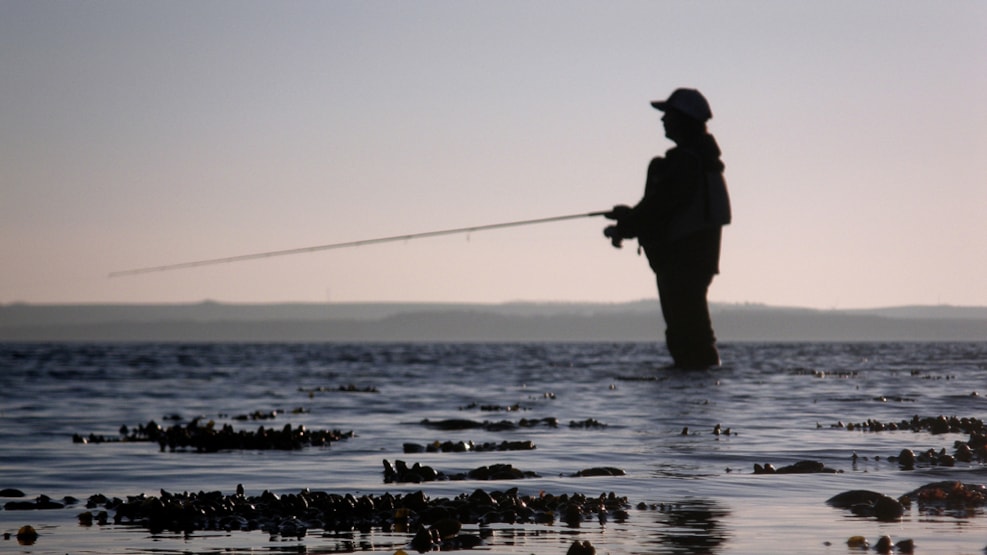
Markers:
<point>417,473</point>
<point>935,497</point>
<point>434,521</point>
<point>973,449</point>
<point>932,424</point>
<point>884,544</point>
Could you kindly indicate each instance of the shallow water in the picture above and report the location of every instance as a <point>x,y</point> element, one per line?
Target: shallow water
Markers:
<point>781,403</point>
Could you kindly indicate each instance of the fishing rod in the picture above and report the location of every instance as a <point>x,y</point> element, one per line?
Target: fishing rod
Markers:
<point>360,243</point>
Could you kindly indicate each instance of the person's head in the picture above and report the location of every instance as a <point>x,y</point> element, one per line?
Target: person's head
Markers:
<point>686,112</point>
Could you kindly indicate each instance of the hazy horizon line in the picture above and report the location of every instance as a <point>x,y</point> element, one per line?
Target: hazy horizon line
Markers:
<point>470,303</point>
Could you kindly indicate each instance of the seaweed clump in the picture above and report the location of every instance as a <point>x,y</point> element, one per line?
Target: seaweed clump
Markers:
<point>208,438</point>
<point>434,521</point>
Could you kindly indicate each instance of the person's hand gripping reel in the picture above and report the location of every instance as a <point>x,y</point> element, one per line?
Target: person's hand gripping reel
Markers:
<point>611,232</point>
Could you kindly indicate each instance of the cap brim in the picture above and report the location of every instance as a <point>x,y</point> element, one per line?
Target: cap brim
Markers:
<point>659,104</point>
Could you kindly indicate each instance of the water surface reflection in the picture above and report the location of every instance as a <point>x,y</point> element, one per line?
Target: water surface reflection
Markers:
<point>692,526</point>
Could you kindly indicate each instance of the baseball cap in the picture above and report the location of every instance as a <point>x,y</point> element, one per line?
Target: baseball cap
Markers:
<point>688,101</point>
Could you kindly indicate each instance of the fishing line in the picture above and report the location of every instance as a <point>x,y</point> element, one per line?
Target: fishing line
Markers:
<point>360,243</point>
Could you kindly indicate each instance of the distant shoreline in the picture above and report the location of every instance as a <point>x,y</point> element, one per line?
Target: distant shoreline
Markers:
<point>439,322</point>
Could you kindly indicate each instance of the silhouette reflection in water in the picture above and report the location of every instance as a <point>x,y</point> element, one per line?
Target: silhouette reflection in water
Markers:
<point>692,527</point>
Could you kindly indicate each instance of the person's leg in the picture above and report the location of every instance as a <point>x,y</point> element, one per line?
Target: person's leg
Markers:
<point>688,328</point>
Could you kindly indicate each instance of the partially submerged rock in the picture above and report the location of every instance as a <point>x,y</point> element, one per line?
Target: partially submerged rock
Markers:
<point>801,467</point>
<point>41,503</point>
<point>600,471</point>
<point>27,535</point>
<point>868,503</point>
<point>400,472</point>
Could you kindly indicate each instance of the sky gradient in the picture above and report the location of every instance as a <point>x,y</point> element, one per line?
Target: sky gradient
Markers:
<point>138,134</point>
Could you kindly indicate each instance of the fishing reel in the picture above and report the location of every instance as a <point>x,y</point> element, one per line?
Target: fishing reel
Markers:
<point>615,238</point>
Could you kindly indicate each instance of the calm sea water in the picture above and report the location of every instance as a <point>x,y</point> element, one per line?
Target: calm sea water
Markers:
<point>781,403</point>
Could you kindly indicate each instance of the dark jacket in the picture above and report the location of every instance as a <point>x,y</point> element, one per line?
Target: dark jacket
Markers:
<point>678,221</point>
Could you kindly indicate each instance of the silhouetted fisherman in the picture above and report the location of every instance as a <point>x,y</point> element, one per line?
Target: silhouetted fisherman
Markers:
<point>678,223</point>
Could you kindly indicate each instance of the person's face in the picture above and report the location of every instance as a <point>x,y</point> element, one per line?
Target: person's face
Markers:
<point>673,120</point>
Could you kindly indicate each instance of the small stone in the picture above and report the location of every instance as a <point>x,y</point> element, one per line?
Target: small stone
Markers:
<point>884,545</point>
<point>581,548</point>
<point>27,535</point>
<point>906,546</point>
<point>857,542</point>
<point>447,528</point>
<point>906,458</point>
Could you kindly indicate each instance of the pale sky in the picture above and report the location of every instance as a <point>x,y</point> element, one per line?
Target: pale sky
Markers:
<point>138,134</point>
